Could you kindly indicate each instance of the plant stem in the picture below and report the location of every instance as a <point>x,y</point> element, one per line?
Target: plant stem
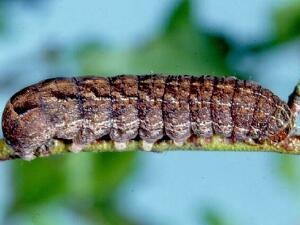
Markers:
<point>290,146</point>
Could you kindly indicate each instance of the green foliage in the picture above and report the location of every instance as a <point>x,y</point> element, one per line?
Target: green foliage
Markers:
<point>287,21</point>
<point>95,60</point>
<point>181,18</point>
<point>86,182</point>
<point>182,49</point>
<point>289,172</point>
<point>101,176</point>
<point>30,186</point>
<point>211,216</point>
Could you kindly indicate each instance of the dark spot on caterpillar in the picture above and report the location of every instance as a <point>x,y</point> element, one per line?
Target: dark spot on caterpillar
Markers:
<point>61,96</point>
<point>23,101</point>
<point>151,108</point>
<point>21,110</point>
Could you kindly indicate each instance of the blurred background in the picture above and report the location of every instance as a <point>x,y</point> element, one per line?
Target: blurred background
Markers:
<point>251,39</point>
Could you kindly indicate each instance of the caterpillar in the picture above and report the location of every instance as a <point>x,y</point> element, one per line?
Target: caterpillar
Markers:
<point>82,110</point>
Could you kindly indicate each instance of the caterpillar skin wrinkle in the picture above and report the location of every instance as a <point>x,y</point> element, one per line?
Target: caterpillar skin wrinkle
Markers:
<point>151,107</point>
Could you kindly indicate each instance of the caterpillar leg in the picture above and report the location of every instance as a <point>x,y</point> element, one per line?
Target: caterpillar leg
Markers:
<point>26,155</point>
<point>84,137</point>
<point>178,143</point>
<point>120,146</point>
<point>147,146</point>
<point>44,150</point>
<point>76,148</point>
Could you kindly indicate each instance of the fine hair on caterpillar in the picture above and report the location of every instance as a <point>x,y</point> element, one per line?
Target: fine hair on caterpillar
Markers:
<point>83,110</point>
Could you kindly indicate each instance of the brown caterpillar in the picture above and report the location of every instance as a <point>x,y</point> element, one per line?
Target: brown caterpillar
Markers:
<point>151,107</point>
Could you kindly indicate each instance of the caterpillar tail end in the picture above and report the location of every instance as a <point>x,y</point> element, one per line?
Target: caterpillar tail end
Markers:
<point>294,101</point>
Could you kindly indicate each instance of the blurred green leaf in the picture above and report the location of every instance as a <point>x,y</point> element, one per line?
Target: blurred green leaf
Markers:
<point>100,175</point>
<point>92,58</point>
<point>212,217</point>
<point>37,182</point>
<point>287,168</point>
<point>112,169</point>
<point>181,17</point>
<point>289,171</point>
<point>287,21</point>
<point>183,48</point>
<point>107,213</point>
<point>48,214</point>
<point>84,182</point>
<point>94,195</point>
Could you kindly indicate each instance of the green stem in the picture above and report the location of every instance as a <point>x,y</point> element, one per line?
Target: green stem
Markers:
<point>290,146</point>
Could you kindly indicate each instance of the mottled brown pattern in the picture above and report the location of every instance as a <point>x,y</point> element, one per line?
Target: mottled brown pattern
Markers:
<point>221,103</point>
<point>279,121</point>
<point>200,105</point>
<point>264,110</point>
<point>125,121</point>
<point>59,101</point>
<point>243,106</point>
<point>83,110</point>
<point>176,108</point>
<point>96,109</point>
<point>151,92</point>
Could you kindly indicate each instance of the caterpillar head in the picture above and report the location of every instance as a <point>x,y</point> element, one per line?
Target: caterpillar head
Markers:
<point>24,124</point>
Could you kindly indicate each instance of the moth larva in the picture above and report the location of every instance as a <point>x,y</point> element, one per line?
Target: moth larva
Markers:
<point>151,107</point>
